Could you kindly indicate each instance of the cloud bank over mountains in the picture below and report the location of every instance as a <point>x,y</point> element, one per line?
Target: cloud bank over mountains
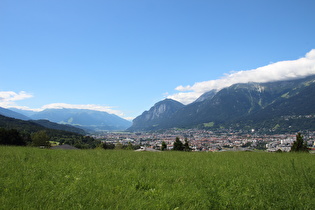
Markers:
<point>282,70</point>
<point>107,109</point>
<point>8,100</point>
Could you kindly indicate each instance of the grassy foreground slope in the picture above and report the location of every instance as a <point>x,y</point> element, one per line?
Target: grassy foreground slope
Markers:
<point>32,178</point>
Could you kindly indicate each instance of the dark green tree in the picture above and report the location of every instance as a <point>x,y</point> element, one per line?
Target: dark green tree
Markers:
<point>108,145</point>
<point>164,146</point>
<point>178,145</point>
<point>11,137</point>
<point>260,145</point>
<point>129,146</point>
<point>40,138</point>
<point>119,146</point>
<point>299,145</point>
<point>186,146</point>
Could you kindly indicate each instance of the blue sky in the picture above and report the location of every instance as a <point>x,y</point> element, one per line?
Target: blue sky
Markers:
<point>124,56</point>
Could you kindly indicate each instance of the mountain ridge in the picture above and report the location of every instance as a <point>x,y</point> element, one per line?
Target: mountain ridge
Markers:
<point>30,126</point>
<point>242,102</point>
<point>44,123</point>
<point>90,120</point>
<point>13,114</point>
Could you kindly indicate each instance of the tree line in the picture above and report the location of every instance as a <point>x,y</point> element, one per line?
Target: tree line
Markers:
<point>178,145</point>
<point>43,138</point>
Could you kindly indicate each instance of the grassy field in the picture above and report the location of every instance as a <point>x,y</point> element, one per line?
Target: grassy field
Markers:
<point>32,178</point>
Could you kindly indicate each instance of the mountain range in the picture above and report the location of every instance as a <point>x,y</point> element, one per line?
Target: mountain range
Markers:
<point>280,106</point>
<point>30,126</point>
<point>13,114</point>
<point>88,120</point>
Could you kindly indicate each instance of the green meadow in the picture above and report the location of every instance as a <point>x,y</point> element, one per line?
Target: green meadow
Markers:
<point>32,178</point>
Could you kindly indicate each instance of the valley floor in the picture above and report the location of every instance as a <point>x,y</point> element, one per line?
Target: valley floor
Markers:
<point>203,140</point>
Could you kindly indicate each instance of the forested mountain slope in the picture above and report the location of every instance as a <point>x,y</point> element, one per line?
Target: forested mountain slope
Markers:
<point>242,106</point>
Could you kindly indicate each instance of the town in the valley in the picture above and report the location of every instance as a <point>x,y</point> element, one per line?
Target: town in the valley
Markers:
<point>204,140</point>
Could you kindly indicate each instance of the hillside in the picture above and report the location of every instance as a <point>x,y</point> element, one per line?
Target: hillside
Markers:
<point>293,111</point>
<point>56,126</point>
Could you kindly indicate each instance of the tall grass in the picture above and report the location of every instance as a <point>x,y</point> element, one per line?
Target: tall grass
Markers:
<point>32,178</point>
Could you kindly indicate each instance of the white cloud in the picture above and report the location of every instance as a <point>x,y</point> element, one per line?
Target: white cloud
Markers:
<point>283,70</point>
<point>8,98</point>
<point>95,107</point>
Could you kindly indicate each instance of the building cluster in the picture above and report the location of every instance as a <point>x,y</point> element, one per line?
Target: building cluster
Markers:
<point>204,140</point>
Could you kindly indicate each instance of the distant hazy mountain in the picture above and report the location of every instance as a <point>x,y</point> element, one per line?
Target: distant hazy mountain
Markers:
<point>27,126</point>
<point>83,118</point>
<point>27,113</point>
<point>44,123</point>
<point>242,106</point>
<point>13,114</point>
<point>159,112</point>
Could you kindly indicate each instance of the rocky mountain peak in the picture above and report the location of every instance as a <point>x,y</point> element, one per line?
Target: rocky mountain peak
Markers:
<point>160,111</point>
